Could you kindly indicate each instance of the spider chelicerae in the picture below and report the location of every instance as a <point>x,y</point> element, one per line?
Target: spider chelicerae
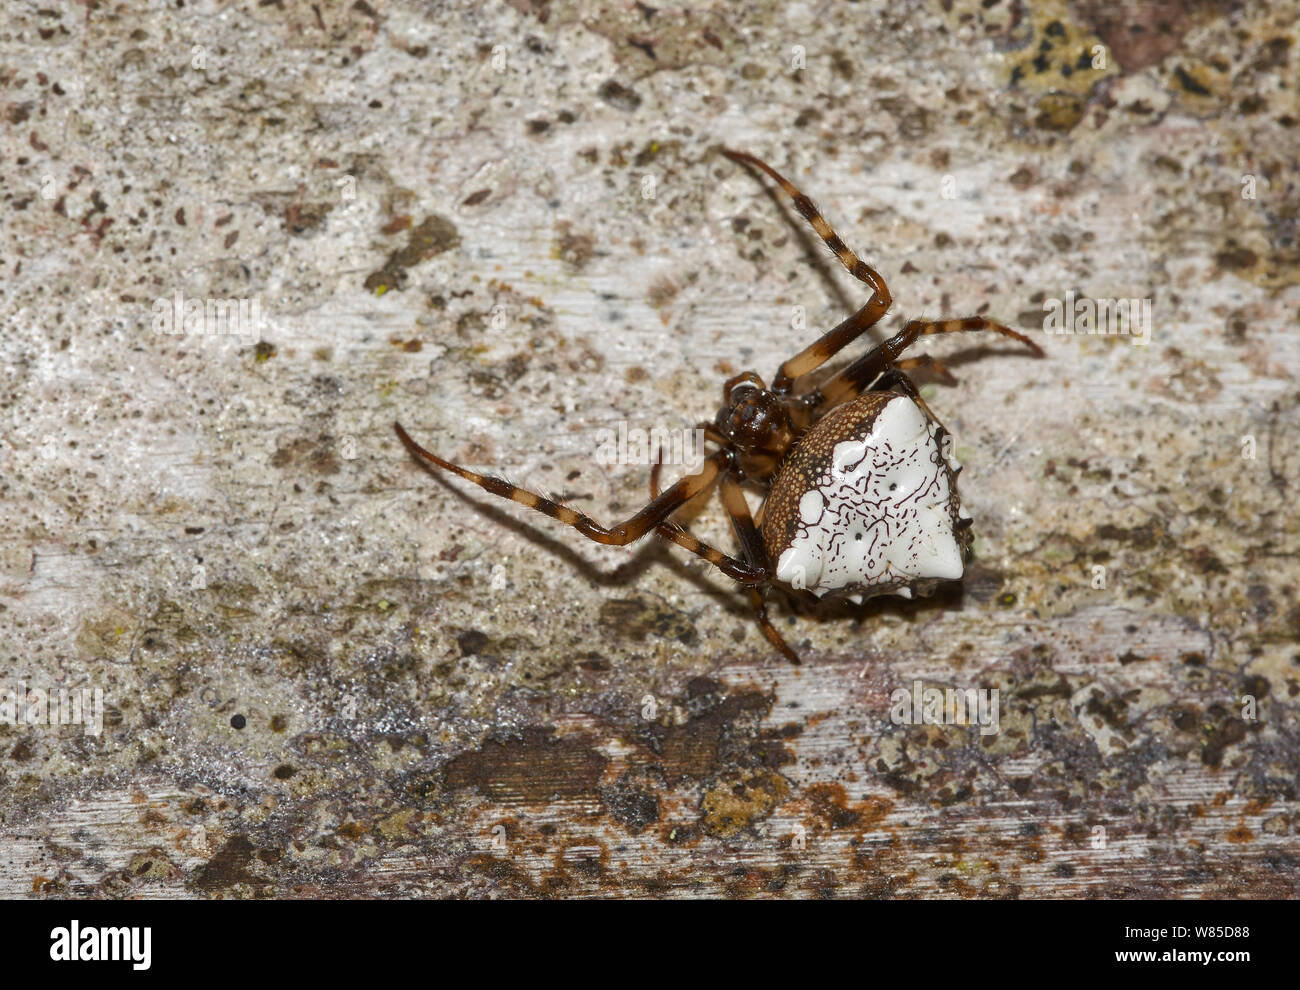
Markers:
<point>861,488</point>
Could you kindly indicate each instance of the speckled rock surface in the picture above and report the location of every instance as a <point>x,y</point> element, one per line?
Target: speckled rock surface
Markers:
<point>326,672</point>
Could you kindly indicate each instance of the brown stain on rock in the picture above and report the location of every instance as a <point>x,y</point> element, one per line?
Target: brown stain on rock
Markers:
<point>575,250</point>
<point>532,769</point>
<point>829,803</point>
<point>1221,729</point>
<point>504,875</point>
<point>433,236</point>
<point>300,212</point>
<point>642,616</point>
<point>1140,34</point>
<point>316,456</point>
<point>711,739</point>
<point>648,38</point>
<point>228,867</point>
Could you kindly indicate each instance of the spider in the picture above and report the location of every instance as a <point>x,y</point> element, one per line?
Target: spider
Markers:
<point>861,491</point>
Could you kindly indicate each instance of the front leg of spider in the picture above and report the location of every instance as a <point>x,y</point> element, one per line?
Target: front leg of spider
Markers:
<point>651,518</point>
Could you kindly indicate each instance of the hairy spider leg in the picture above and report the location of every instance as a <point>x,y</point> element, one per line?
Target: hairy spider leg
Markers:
<point>830,343</point>
<point>652,517</point>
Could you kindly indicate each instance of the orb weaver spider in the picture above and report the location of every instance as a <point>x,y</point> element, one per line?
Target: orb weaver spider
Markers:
<point>861,490</point>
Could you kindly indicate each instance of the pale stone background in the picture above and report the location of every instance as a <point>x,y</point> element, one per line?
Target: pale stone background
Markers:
<point>508,225</point>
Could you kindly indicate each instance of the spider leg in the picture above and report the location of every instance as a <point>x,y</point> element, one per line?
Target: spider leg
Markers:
<point>751,544</point>
<point>871,365</point>
<point>739,571</point>
<point>676,532</point>
<point>758,599</point>
<point>651,517</point>
<point>858,268</point>
<point>828,345</point>
<point>733,499</point>
<point>971,324</point>
<point>825,347</point>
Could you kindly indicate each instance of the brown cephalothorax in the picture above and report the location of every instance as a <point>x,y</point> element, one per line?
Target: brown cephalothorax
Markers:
<point>861,485</point>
